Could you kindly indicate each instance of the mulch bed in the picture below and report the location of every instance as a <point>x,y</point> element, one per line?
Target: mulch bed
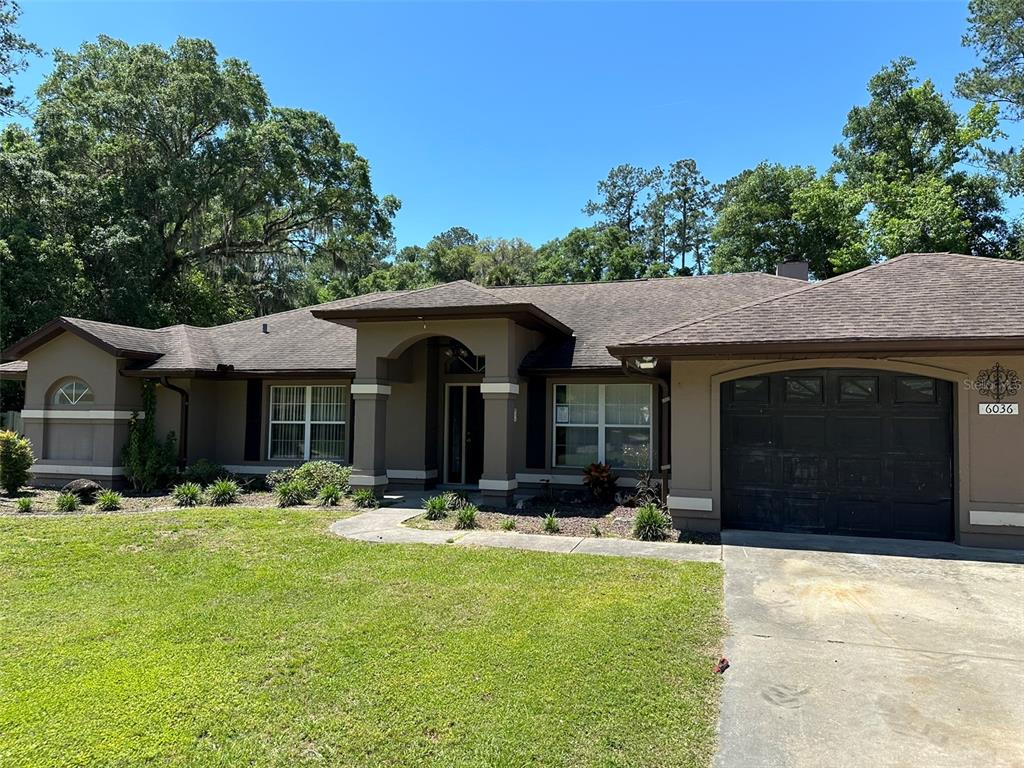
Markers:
<point>44,503</point>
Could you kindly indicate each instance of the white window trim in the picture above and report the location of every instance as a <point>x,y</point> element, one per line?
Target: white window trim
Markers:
<point>307,420</point>
<point>600,426</point>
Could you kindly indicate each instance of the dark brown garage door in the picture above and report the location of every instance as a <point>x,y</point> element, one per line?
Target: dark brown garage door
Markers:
<point>855,452</point>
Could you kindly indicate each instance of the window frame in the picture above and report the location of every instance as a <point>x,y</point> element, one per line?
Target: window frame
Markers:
<point>307,421</point>
<point>80,402</point>
<point>602,425</point>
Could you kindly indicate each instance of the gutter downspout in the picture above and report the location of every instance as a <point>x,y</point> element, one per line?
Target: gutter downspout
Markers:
<point>183,422</point>
<point>664,422</point>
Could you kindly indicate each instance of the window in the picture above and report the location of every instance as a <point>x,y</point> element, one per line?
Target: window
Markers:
<point>73,392</point>
<point>858,389</point>
<point>608,423</point>
<point>803,389</point>
<point>752,390</point>
<point>915,389</point>
<point>308,422</point>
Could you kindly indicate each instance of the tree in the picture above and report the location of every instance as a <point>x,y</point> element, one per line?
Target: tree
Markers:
<point>14,53</point>
<point>623,195</point>
<point>904,154</point>
<point>996,32</point>
<point>685,208</point>
<point>173,161</point>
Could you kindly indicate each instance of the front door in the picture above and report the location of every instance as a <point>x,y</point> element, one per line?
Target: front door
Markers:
<point>464,434</point>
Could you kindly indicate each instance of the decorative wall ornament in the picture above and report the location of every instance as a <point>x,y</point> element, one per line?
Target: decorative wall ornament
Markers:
<point>998,382</point>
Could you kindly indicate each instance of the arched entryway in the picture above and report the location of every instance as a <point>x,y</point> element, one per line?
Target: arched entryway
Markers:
<point>854,451</point>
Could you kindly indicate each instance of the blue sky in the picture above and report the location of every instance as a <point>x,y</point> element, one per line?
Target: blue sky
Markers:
<point>502,117</point>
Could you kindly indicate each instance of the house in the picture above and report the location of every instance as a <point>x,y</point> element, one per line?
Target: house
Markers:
<point>884,402</point>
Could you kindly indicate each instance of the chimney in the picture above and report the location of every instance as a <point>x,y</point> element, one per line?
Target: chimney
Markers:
<point>267,330</point>
<point>795,269</point>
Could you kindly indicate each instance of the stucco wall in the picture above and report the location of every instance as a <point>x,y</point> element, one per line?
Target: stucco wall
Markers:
<point>989,449</point>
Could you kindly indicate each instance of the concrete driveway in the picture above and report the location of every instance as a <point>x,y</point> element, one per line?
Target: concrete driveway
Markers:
<point>879,654</point>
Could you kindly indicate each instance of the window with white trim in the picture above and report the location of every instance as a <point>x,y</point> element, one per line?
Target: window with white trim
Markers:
<point>73,392</point>
<point>607,423</point>
<point>308,422</point>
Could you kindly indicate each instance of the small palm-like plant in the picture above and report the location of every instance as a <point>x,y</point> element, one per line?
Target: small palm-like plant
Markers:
<point>23,505</point>
<point>436,507</point>
<point>187,494</point>
<point>551,523</point>
<point>600,479</point>
<point>364,498</point>
<point>508,524</point>
<point>466,517</point>
<point>223,491</point>
<point>67,502</point>
<point>108,501</point>
<point>650,524</point>
<point>291,493</point>
<point>330,496</point>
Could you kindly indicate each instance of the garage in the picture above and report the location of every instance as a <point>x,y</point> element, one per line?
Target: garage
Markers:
<point>838,451</point>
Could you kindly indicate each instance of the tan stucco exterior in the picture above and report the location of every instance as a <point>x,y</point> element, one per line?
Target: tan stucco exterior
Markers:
<point>989,450</point>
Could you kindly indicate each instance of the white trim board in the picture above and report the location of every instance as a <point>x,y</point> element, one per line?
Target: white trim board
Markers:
<point>371,389</point>
<point>498,485</point>
<point>991,517</point>
<point>368,480</point>
<point>76,413</point>
<point>412,474</point>
<point>693,503</point>
<point>75,469</point>
<point>499,388</point>
<point>526,477</point>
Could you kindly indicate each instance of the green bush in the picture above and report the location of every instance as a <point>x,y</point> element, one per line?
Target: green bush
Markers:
<point>508,524</point>
<point>600,479</point>
<point>455,500</point>
<point>23,505</point>
<point>187,494</point>
<point>108,501</point>
<point>16,460</point>
<point>595,530</point>
<point>436,506</point>
<point>650,524</point>
<point>223,491</point>
<point>148,462</point>
<point>330,496</point>
<point>204,472</point>
<point>364,498</point>
<point>551,523</point>
<point>67,502</point>
<point>279,476</point>
<point>317,474</point>
<point>291,493</point>
<point>466,518</point>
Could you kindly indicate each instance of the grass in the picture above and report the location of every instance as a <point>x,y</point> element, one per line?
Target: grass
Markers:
<point>228,637</point>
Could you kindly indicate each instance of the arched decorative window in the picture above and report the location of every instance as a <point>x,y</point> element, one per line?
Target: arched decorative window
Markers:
<point>72,392</point>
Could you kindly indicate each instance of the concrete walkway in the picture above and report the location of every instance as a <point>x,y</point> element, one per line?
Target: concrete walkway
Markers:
<point>385,526</point>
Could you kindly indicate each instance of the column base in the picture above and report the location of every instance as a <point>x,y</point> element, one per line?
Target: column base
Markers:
<point>498,492</point>
<point>362,479</point>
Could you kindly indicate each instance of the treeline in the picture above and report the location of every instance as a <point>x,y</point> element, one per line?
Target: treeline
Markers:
<point>157,186</point>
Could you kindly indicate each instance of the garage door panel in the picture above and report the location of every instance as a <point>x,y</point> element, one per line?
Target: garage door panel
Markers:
<point>839,451</point>
<point>802,432</point>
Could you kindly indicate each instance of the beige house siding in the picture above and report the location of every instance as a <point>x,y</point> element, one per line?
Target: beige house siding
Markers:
<point>989,450</point>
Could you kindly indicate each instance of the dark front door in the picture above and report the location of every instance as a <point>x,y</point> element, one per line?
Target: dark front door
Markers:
<point>855,452</point>
<point>464,434</point>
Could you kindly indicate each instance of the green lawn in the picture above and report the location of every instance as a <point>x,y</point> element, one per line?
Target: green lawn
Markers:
<point>212,637</point>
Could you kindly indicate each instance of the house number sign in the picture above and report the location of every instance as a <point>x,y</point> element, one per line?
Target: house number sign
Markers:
<point>998,409</point>
<point>998,382</point>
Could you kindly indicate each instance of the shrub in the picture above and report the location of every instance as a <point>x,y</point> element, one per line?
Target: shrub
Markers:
<point>329,496</point>
<point>455,500</point>
<point>279,476</point>
<point>291,493</point>
<point>67,502</point>
<point>551,523</point>
<point>646,491</point>
<point>650,524</point>
<point>436,506</point>
<point>317,474</point>
<point>600,479</point>
<point>187,494</point>
<point>595,530</point>
<point>23,505</point>
<point>204,472</point>
<point>466,518</point>
<point>16,460</point>
<point>223,491</point>
<point>108,501</point>
<point>365,499</point>
<point>508,524</point>
<point>148,463</point>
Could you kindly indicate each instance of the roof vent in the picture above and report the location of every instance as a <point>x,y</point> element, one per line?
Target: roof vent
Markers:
<point>796,269</point>
<point>265,328</point>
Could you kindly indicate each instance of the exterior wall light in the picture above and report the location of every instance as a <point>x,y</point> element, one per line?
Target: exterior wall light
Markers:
<point>646,363</point>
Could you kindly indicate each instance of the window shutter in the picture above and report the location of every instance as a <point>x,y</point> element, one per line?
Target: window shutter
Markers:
<point>536,421</point>
<point>253,419</point>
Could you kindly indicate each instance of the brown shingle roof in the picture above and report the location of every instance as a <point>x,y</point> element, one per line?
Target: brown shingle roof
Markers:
<point>926,301</point>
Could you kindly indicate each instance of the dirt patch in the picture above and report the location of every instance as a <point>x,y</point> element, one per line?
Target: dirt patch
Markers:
<point>44,502</point>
